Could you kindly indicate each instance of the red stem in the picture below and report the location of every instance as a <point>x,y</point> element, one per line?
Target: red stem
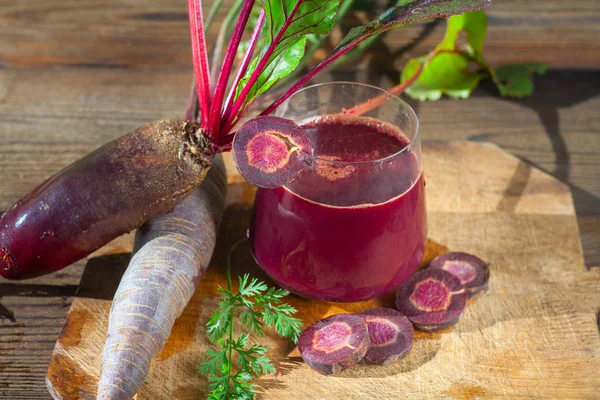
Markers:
<point>302,81</point>
<point>245,62</point>
<point>200,58</point>
<point>225,142</point>
<point>365,107</point>
<point>256,73</point>
<point>236,38</point>
<point>397,90</point>
<point>361,108</point>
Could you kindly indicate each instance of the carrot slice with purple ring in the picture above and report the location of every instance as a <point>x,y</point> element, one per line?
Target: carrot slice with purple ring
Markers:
<point>432,299</point>
<point>391,335</point>
<point>472,271</point>
<point>270,151</point>
<point>334,343</point>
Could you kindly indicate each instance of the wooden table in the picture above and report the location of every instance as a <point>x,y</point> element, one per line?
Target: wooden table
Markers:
<point>74,75</point>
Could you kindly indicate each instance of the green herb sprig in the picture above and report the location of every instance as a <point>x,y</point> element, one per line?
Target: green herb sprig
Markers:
<point>234,362</point>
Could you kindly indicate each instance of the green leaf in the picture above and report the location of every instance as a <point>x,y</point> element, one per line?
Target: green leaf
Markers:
<point>214,362</point>
<point>448,71</point>
<point>289,22</point>
<point>219,320</point>
<point>273,295</point>
<point>250,319</point>
<point>416,11</point>
<point>279,317</point>
<point>285,63</point>
<point>473,24</point>
<point>242,341</point>
<point>230,378</point>
<point>517,80</point>
<point>243,376</point>
<point>302,17</point>
<point>253,288</point>
<point>263,364</point>
<point>446,74</point>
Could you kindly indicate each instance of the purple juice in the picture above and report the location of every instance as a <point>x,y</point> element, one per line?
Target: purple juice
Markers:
<point>351,227</point>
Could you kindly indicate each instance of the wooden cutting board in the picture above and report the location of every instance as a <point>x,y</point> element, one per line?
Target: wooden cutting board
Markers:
<point>533,335</point>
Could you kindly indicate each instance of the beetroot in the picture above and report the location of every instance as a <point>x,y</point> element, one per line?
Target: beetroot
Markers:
<point>472,271</point>
<point>432,299</point>
<point>270,151</point>
<point>105,194</point>
<point>334,343</point>
<point>391,335</point>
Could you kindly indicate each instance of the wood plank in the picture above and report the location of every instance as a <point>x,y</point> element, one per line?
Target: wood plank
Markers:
<point>75,109</point>
<point>32,315</point>
<point>534,334</point>
<point>140,34</point>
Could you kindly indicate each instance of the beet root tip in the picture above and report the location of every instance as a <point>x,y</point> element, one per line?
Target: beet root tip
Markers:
<point>334,343</point>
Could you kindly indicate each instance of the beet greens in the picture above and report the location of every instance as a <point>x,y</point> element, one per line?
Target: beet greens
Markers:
<point>289,23</point>
<point>447,70</point>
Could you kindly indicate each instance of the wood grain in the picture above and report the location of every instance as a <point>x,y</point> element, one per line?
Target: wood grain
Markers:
<point>533,335</point>
<point>72,111</point>
<point>137,33</point>
<point>75,111</point>
<point>74,75</point>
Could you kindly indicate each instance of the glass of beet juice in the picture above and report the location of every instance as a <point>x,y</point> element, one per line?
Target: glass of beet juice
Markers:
<point>352,226</point>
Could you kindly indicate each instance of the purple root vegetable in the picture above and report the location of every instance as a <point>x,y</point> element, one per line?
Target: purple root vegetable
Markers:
<point>270,151</point>
<point>109,192</point>
<point>391,335</point>
<point>334,343</point>
<point>472,271</point>
<point>432,299</point>
<point>172,252</point>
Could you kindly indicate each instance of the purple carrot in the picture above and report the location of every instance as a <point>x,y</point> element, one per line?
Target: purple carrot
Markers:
<point>107,193</point>
<point>335,343</point>
<point>472,271</point>
<point>172,252</point>
<point>270,151</point>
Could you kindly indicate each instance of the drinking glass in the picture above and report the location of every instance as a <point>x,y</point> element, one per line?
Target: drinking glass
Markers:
<point>352,225</point>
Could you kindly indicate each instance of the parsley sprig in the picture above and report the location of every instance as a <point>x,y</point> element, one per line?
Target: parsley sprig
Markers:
<point>233,363</point>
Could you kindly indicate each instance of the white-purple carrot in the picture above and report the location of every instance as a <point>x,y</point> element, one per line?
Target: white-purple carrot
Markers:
<point>171,253</point>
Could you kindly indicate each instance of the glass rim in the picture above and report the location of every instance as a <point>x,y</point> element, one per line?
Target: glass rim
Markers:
<point>413,115</point>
